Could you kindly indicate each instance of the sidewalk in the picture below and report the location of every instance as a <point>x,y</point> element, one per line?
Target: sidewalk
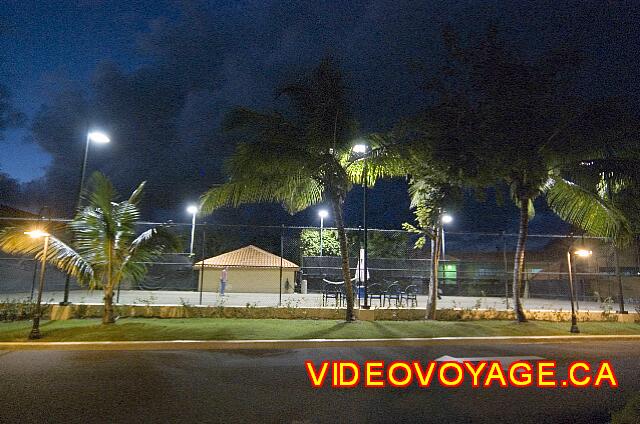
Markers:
<point>312,300</point>
<point>174,345</point>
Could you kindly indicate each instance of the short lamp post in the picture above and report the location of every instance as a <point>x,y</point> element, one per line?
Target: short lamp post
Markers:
<point>322,214</point>
<point>583,253</point>
<point>193,210</point>
<point>35,329</point>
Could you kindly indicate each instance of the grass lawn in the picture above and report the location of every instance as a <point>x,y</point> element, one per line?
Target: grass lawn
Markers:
<point>236,329</point>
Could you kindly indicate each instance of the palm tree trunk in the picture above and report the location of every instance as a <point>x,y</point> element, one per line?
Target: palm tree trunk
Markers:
<point>518,265</point>
<point>107,313</point>
<point>337,203</point>
<point>433,281</point>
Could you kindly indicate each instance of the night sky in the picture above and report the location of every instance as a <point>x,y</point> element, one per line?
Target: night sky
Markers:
<point>159,75</point>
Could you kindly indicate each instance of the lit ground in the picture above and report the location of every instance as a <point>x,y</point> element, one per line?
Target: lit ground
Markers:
<point>313,300</point>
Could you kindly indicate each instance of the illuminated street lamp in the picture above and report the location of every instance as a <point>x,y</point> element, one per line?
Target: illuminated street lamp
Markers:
<point>35,329</point>
<point>362,149</point>
<point>96,137</point>
<point>99,138</point>
<point>445,219</point>
<point>322,214</point>
<point>583,253</point>
<point>193,210</point>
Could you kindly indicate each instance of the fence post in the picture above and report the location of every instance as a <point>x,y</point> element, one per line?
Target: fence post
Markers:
<point>281,254</point>
<point>506,269</point>
<point>33,281</point>
<point>619,278</point>
<point>204,243</point>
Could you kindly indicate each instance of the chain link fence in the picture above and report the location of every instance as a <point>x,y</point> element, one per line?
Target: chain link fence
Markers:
<point>267,264</point>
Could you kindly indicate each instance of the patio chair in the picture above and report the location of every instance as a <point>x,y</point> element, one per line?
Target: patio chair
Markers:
<point>355,287</point>
<point>332,290</point>
<point>410,293</point>
<point>375,292</point>
<point>393,292</point>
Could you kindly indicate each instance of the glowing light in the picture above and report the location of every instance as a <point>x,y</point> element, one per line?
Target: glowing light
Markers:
<point>583,252</point>
<point>323,213</point>
<point>193,209</point>
<point>37,233</point>
<point>447,219</point>
<point>360,148</point>
<point>98,137</point>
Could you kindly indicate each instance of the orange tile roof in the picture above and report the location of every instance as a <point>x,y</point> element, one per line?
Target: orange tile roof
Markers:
<point>247,257</point>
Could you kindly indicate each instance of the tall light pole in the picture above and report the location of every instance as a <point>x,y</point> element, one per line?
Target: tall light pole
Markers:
<point>446,219</point>
<point>322,214</point>
<point>362,149</point>
<point>96,137</point>
<point>572,295</point>
<point>35,329</point>
<point>193,210</point>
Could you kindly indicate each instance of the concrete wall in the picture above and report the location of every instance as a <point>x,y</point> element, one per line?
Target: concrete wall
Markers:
<point>249,280</point>
<point>76,311</point>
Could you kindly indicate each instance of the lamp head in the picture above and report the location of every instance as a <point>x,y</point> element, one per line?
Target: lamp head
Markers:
<point>583,252</point>
<point>447,219</point>
<point>360,148</point>
<point>323,213</point>
<point>98,137</point>
<point>37,233</point>
<point>192,209</point>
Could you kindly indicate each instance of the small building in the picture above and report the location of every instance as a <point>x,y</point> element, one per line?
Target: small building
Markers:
<point>250,270</point>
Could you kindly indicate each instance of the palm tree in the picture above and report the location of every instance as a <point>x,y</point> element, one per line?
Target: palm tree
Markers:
<point>105,249</point>
<point>430,194</point>
<point>302,156</point>
<point>498,118</point>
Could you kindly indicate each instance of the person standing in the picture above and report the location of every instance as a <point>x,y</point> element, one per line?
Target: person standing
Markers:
<point>223,280</point>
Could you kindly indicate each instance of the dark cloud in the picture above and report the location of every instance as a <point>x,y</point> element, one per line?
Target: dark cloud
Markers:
<point>9,190</point>
<point>192,65</point>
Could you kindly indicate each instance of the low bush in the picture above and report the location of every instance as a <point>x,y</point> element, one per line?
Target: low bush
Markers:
<point>19,309</point>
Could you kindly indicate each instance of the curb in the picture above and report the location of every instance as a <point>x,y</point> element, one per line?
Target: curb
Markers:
<point>302,344</point>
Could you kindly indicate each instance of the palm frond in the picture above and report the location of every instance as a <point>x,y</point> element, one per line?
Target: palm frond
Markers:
<point>290,158</point>
<point>59,254</point>
<point>125,216</point>
<point>295,191</point>
<point>135,197</point>
<point>320,107</point>
<point>587,210</point>
<point>161,237</point>
<point>147,247</point>
<point>103,192</point>
<point>301,192</point>
<point>269,160</point>
<point>378,165</point>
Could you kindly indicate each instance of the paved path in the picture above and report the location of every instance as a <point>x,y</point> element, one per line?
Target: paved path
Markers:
<point>294,300</point>
<point>271,386</point>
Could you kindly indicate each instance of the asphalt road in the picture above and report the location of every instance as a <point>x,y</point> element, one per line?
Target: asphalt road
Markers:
<point>272,386</point>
